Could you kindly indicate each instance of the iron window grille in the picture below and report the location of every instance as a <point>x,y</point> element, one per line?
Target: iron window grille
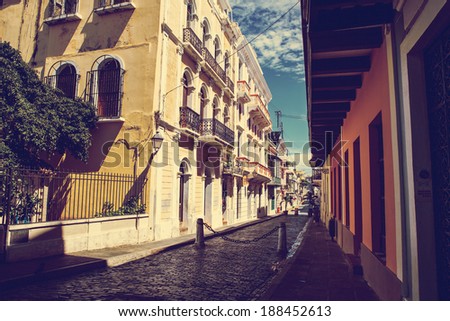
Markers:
<point>105,90</point>
<point>65,80</point>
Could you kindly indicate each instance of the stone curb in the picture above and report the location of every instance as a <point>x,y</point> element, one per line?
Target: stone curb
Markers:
<point>285,268</point>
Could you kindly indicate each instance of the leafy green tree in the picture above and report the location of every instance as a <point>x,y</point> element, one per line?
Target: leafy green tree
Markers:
<point>37,119</point>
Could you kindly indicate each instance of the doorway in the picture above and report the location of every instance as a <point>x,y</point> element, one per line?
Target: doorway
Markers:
<point>437,62</point>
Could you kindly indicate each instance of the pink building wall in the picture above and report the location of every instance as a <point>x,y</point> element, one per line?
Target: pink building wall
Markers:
<point>372,99</point>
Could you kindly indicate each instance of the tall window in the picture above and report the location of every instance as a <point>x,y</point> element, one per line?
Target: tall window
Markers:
<point>241,71</point>
<point>217,50</point>
<point>216,109</point>
<point>203,101</point>
<point>347,189</point>
<point>206,34</point>
<point>377,189</point>
<point>190,13</point>
<point>105,87</point>
<point>186,90</point>
<point>226,116</point>
<point>226,63</point>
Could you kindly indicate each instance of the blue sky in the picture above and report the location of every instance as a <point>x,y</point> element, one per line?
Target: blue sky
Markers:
<point>280,54</point>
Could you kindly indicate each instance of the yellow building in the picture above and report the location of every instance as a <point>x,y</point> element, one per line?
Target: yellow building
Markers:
<point>180,70</point>
<point>213,99</point>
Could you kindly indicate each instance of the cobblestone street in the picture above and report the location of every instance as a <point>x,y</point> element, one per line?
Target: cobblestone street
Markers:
<point>221,271</point>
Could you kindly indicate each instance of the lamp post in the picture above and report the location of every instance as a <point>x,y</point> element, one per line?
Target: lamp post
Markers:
<point>157,141</point>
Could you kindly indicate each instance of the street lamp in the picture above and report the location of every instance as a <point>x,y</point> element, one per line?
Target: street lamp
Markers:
<point>157,141</point>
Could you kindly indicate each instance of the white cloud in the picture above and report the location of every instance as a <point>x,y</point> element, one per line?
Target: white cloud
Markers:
<point>279,48</point>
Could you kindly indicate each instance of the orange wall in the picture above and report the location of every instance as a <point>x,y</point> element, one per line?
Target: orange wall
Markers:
<point>371,99</point>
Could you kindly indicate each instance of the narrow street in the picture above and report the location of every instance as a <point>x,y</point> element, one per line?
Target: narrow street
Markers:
<point>223,270</point>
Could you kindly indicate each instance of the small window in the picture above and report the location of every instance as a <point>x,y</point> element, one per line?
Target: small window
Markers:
<point>62,11</point>
<point>63,7</point>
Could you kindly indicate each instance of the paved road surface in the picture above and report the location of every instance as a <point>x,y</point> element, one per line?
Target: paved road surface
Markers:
<point>221,271</point>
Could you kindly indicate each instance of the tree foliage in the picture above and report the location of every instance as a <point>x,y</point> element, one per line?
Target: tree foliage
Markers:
<point>37,119</point>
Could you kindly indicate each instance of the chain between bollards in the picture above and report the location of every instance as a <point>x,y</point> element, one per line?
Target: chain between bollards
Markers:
<point>282,236</point>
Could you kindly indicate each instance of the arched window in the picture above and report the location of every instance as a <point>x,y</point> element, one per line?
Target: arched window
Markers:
<point>216,108</point>
<point>203,103</point>
<point>217,50</point>
<point>105,87</point>
<point>187,89</point>
<point>64,77</point>
<point>206,34</point>
<point>226,116</point>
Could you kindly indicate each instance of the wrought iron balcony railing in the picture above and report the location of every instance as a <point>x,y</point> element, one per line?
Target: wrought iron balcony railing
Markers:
<point>213,127</point>
<point>189,119</point>
<point>232,170</point>
<point>211,61</point>
<point>191,38</point>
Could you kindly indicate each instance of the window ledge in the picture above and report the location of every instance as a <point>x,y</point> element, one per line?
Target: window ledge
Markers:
<point>115,8</point>
<point>63,18</point>
<point>105,120</point>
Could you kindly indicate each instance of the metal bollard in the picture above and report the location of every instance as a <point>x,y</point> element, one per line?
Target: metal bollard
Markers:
<point>282,240</point>
<point>200,237</point>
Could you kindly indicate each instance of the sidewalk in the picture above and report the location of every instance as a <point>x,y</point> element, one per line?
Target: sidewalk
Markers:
<point>57,266</point>
<point>319,271</point>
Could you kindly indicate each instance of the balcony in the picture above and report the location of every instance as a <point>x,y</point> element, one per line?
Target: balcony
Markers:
<point>232,170</point>
<point>63,11</point>
<point>258,173</point>
<point>213,68</point>
<point>189,120</point>
<point>258,111</point>
<point>212,129</point>
<point>229,87</point>
<point>111,6</point>
<point>192,44</point>
<point>243,92</point>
